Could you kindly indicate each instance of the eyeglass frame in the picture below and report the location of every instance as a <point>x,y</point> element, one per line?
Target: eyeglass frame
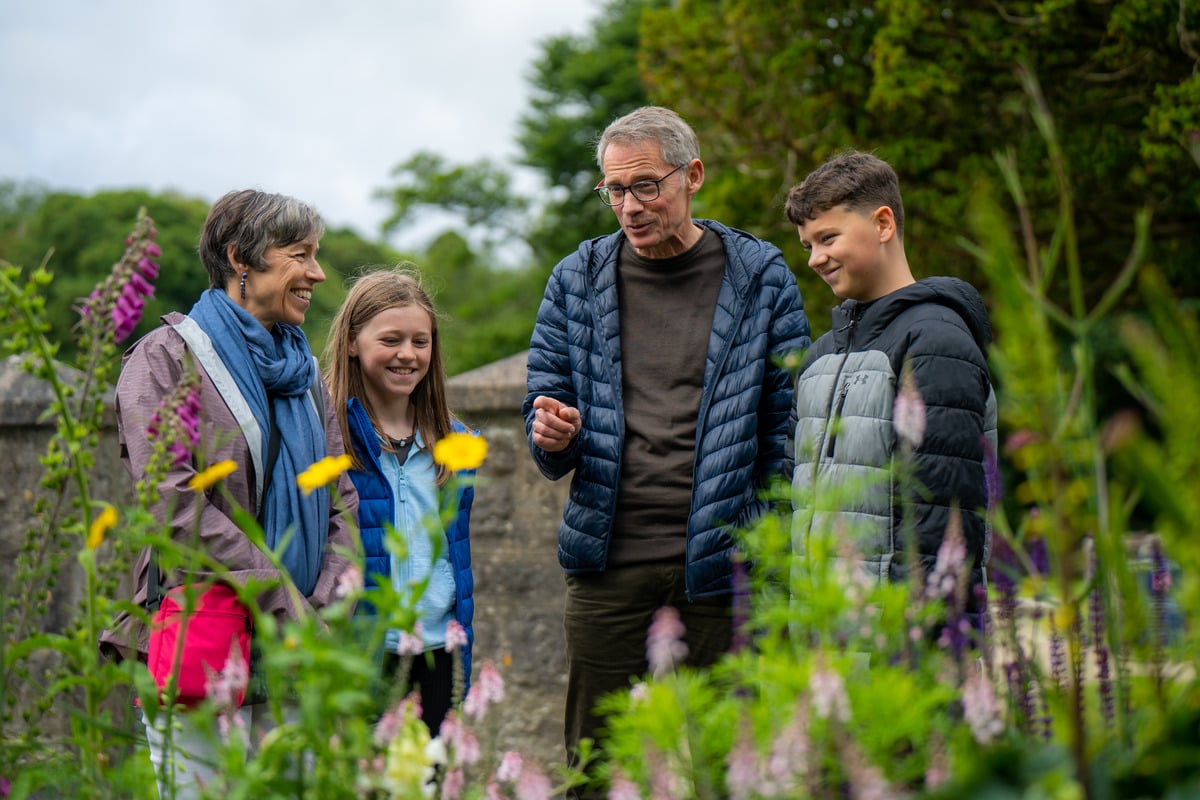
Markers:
<point>601,190</point>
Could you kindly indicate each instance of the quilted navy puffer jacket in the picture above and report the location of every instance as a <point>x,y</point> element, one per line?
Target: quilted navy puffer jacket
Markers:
<point>745,405</point>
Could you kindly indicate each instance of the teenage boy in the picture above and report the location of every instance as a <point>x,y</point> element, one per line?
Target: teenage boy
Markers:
<point>889,329</point>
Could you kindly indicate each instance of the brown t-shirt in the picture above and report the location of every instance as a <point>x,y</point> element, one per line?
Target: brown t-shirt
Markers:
<point>666,308</point>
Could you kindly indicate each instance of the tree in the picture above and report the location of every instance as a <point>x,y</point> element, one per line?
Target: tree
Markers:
<point>82,236</point>
<point>580,84</point>
<point>481,193</point>
<point>936,89</point>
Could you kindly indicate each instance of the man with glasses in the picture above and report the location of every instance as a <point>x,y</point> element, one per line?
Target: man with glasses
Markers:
<point>655,376</point>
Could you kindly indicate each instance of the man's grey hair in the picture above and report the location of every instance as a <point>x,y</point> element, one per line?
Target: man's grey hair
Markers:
<point>655,124</point>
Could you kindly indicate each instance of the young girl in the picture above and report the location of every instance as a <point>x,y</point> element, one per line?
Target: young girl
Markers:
<point>386,375</point>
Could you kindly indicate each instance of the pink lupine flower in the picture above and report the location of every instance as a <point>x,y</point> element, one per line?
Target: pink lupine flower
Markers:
<point>665,782</point>
<point>951,563</point>
<point>865,779</point>
<point>532,785</point>
<point>461,740</point>
<point>788,761</point>
<point>456,636</point>
<point>411,644</point>
<point>467,749</point>
<point>119,301</point>
<point>828,692</point>
<point>665,648</point>
<point>981,710</point>
<point>742,768</point>
<point>510,767</point>
<point>453,784</point>
<point>487,689</point>
<point>908,416</point>
<point>224,687</point>
<point>623,789</point>
<point>392,722</point>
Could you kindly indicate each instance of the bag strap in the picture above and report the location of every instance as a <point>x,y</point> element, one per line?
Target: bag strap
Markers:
<point>153,585</point>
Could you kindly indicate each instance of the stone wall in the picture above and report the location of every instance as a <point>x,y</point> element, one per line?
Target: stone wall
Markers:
<point>514,524</point>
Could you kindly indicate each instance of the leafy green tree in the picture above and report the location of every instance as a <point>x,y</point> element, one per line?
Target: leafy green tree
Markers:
<point>481,193</point>
<point>936,88</point>
<point>580,84</point>
<point>487,313</point>
<point>82,237</point>
<point>344,255</point>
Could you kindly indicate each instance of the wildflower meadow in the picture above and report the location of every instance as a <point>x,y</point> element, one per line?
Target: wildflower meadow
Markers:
<point>1080,684</point>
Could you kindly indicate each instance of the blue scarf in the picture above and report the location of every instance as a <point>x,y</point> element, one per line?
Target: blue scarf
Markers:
<point>276,366</point>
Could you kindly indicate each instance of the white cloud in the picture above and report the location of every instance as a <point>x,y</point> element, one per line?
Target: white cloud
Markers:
<point>315,99</point>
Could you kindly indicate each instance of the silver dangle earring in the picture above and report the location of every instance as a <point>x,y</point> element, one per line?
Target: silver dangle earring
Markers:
<point>243,286</point>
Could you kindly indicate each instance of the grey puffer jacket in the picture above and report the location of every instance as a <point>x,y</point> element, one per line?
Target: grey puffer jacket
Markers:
<point>845,482</point>
<point>745,404</point>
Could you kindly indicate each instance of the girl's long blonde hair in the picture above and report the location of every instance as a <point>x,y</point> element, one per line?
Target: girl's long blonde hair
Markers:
<point>371,294</point>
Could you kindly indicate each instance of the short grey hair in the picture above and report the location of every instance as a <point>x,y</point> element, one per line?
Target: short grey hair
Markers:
<point>675,138</point>
<point>252,221</point>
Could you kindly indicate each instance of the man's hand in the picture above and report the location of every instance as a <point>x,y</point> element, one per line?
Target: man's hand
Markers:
<point>554,424</point>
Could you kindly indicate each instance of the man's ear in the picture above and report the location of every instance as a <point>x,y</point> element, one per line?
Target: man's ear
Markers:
<point>695,176</point>
<point>885,224</point>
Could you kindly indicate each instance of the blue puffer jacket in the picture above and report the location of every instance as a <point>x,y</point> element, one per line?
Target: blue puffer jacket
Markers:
<point>745,404</point>
<point>375,509</point>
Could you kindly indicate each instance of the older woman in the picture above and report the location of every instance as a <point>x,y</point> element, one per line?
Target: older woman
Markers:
<point>256,373</point>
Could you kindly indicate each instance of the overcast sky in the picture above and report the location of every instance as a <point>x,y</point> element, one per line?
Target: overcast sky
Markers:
<point>312,98</point>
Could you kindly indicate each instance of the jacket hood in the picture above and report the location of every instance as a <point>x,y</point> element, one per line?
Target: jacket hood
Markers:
<point>953,293</point>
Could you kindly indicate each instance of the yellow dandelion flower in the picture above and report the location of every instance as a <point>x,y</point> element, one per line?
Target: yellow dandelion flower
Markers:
<point>202,481</point>
<point>459,451</point>
<point>100,526</point>
<point>322,473</point>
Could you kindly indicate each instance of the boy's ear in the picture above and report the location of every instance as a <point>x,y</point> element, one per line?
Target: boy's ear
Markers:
<point>885,223</point>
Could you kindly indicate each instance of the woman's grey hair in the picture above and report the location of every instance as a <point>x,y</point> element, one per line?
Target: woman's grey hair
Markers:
<point>252,221</point>
<point>655,124</point>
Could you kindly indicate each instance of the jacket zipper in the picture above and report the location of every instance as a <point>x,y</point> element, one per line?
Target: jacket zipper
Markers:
<point>835,417</point>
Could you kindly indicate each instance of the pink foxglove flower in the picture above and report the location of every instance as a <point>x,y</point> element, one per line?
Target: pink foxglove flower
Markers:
<point>908,417</point>
<point>665,648</point>
<point>175,425</point>
<point>116,305</point>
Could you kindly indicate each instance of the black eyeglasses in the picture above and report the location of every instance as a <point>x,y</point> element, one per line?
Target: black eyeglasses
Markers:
<point>643,191</point>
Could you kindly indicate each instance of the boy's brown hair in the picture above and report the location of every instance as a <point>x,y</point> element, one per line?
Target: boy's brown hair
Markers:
<point>860,181</point>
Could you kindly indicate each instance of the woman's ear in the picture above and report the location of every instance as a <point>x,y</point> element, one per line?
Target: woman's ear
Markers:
<point>232,258</point>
